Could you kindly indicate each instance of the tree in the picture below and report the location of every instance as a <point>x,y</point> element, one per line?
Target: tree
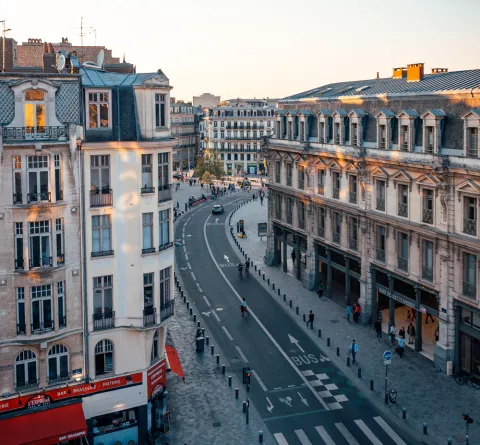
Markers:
<point>209,163</point>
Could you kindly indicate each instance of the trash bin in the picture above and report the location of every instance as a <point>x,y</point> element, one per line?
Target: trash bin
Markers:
<point>392,395</point>
<point>200,344</point>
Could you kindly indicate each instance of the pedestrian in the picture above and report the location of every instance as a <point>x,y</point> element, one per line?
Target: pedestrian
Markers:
<point>379,316</point>
<point>261,200</point>
<point>411,333</point>
<point>409,315</point>
<point>243,308</point>
<point>431,318</point>
<point>348,311</point>
<point>378,329</point>
<point>353,351</point>
<point>414,314</point>
<point>401,332</point>
<point>310,319</point>
<point>392,332</point>
<point>356,315</point>
<point>436,334</point>
<point>293,255</point>
<point>320,290</point>
<point>400,346</point>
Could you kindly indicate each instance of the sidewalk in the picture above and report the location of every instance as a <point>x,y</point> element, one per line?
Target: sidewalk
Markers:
<point>428,396</point>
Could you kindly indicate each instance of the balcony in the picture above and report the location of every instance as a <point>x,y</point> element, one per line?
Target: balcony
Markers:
<point>321,231</point>
<point>289,218</point>
<point>404,146</point>
<point>19,264</point>
<point>57,378</point>
<point>336,193</point>
<point>17,198</point>
<point>320,190</point>
<point>30,383</point>
<point>167,310</point>
<point>164,192</point>
<point>301,184</point>
<point>469,226</point>
<point>427,216</point>
<point>336,237</point>
<point>353,243</point>
<point>403,210</point>
<point>165,246</point>
<point>149,316</point>
<point>147,190</point>
<point>469,289</point>
<point>62,322</point>
<point>380,204</point>
<point>103,320</point>
<point>21,328</point>
<point>429,148</point>
<point>101,197</point>
<point>277,179</point>
<point>403,263</point>
<point>102,253</point>
<point>381,255</point>
<point>427,273</point>
<point>353,197</point>
<point>148,250</point>
<point>289,181</point>
<point>38,327</point>
<point>40,263</point>
<point>17,134</point>
<point>472,152</point>
<point>39,197</point>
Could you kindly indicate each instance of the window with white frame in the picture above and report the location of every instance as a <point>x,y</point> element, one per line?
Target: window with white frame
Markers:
<point>336,185</point>
<point>61,304</point>
<point>147,233</point>
<point>39,244</point>
<point>38,179</point>
<point>35,113</point>
<point>353,189</point>
<point>26,369</point>
<point>321,182</point>
<point>99,110</point>
<point>41,308</point>
<point>165,293</point>
<point>380,194</point>
<point>427,260</point>
<point>19,259</point>
<point>469,278</point>
<point>472,142</point>
<point>58,178</point>
<point>101,235</point>
<point>154,354</point>
<point>430,139</point>
<point>147,179</point>
<point>427,205</point>
<point>21,321</point>
<point>164,228</point>
<point>100,173</point>
<point>17,180</point>
<point>103,357</point>
<point>160,110</point>
<point>103,295</point>
<point>58,363</point>
<point>163,171</point>
<point>59,241</point>
<point>470,215</point>
<point>404,138</point>
<point>301,177</point>
<point>402,209</point>
<point>382,132</point>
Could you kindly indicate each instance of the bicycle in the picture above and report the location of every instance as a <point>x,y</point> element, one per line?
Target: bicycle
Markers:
<point>463,379</point>
<point>240,273</point>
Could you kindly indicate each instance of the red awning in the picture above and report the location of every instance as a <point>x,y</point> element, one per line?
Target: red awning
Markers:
<point>174,360</point>
<point>44,427</point>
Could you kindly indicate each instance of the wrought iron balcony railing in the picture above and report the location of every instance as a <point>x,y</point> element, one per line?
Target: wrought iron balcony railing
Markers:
<point>469,289</point>
<point>40,262</point>
<point>336,237</point>
<point>167,310</point>
<point>403,209</point>
<point>165,246</point>
<point>21,328</point>
<point>381,255</point>
<point>101,197</point>
<point>34,133</point>
<point>164,192</point>
<point>19,264</point>
<point>353,197</point>
<point>145,190</point>
<point>149,316</point>
<point>23,385</point>
<point>62,321</point>
<point>381,204</point>
<point>472,152</point>
<point>103,320</point>
<point>427,273</point>
<point>402,263</point>
<point>38,327</point>
<point>102,253</point>
<point>56,378</point>
<point>148,250</point>
<point>39,197</point>
<point>336,193</point>
<point>469,226</point>
<point>427,216</point>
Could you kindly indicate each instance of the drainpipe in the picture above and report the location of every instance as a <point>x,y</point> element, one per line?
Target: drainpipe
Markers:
<point>118,113</point>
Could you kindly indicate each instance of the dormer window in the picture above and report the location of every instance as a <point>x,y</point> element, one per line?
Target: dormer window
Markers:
<point>406,125</point>
<point>98,110</point>
<point>356,118</point>
<point>160,111</point>
<point>35,111</point>
<point>404,140</point>
<point>471,131</point>
<point>432,130</point>
<point>384,128</point>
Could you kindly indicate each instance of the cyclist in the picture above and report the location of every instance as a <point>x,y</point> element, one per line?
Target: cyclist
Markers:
<point>243,308</point>
<point>240,269</point>
<point>247,267</point>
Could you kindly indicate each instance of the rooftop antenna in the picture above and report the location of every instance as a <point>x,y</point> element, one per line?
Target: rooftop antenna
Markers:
<point>4,34</point>
<point>85,32</point>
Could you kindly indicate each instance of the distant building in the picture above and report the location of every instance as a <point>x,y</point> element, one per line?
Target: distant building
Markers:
<point>239,102</point>
<point>206,100</point>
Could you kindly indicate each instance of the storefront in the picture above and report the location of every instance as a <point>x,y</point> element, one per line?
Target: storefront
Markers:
<point>287,241</point>
<point>229,169</point>
<point>238,167</point>
<point>119,426</point>
<point>252,169</point>
<point>157,414</point>
<point>467,339</point>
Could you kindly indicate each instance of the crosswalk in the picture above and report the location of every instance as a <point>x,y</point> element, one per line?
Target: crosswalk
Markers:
<point>355,432</point>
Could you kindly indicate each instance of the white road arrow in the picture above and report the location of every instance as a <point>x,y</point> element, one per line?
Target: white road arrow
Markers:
<point>270,407</point>
<point>294,340</point>
<point>303,399</point>
<point>184,268</point>
<point>225,257</point>
<point>216,220</point>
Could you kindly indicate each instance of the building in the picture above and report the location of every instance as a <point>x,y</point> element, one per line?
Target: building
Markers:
<point>206,100</point>
<point>11,51</point>
<point>376,185</point>
<point>184,121</point>
<point>239,102</point>
<point>238,135</point>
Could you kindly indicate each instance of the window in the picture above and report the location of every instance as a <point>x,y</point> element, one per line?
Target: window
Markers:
<point>404,145</point>
<point>381,244</point>
<point>427,206</point>
<point>26,369</point>
<point>166,303</point>
<point>302,131</point>
<point>301,215</point>
<point>353,188</point>
<point>149,314</point>
<point>470,215</point>
<point>289,210</point>
<point>57,363</point>
<point>147,233</point>
<point>278,207</point>
<point>62,314</point>
<point>41,308</point>
<point>103,357</point>
<point>58,178</point>
<point>321,222</point>
<point>154,354</point>
<point>164,228</point>
<point>336,227</point>
<point>402,251</point>
<point>35,111</point>
<point>289,175</point>
<point>354,134</point>
<point>469,288</point>
<point>160,118</point>
<point>163,171</point>
<point>17,180</point>
<point>103,302</point>
<point>40,254</point>
<point>289,130</point>
<point>383,136</point>
<point>99,110</point>
<point>100,194</point>
<point>301,178</point>
<point>101,235</point>
<point>321,182</point>
<point>353,233</point>
<point>337,133</point>
<point>472,142</point>
<point>430,133</point>
<point>427,260</point>
<point>380,189</point>
<point>147,180</point>
<point>21,322</point>
<point>38,180</point>
<point>323,138</point>
<point>402,200</point>
<point>336,185</point>
<point>19,259</point>
<point>59,244</point>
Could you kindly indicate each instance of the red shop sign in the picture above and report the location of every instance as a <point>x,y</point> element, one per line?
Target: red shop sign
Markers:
<point>156,377</point>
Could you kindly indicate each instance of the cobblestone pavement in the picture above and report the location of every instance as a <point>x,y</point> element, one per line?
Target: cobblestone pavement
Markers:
<point>429,396</point>
<point>204,410</point>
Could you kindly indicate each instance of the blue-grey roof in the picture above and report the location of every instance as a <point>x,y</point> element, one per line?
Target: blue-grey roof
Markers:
<point>409,112</point>
<point>431,83</point>
<point>92,78</point>
<point>358,111</point>
<point>437,112</point>
<point>387,113</point>
<point>325,112</point>
<point>341,112</point>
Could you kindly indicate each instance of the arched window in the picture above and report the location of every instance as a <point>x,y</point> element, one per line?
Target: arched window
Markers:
<point>35,111</point>
<point>57,366</point>
<point>103,357</point>
<point>26,372</point>
<point>155,347</point>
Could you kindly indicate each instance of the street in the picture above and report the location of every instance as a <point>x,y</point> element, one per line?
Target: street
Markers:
<point>300,394</point>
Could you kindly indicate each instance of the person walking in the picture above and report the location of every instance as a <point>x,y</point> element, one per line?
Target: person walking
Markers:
<point>401,332</point>
<point>356,315</point>
<point>392,332</point>
<point>293,255</point>
<point>243,308</point>
<point>411,333</point>
<point>400,346</point>
<point>378,329</point>
<point>320,290</point>
<point>310,319</point>
<point>353,351</point>
<point>348,311</point>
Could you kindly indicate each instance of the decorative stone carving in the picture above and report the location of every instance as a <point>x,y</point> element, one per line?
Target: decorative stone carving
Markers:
<point>445,258</point>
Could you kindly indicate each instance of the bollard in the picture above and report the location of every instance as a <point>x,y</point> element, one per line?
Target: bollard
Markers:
<point>304,318</point>
<point>260,437</point>
<point>218,359</point>
<point>198,324</point>
<point>328,341</point>
<point>404,413</point>
<point>320,333</point>
<point>263,277</point>
<point>244,406</point>
<point>348,362</point>
<point>186,207</point>
<point>223,369</point>
<point>425,431</point>
<point>180,288</point>
<point>203,332</point>
<point>191,311</point>
<point>296,310</point>
<point>268,281</point>
<point>212,349</point>
<point>184,298</point>
<point>285,297</point>
<point>251,263</point>
<point>236,393</point>
<point>291,302</point>
<point>359,373</point>
<point>255,267</point>
<point>207,340</point>
<point>194,318</point>
<point>259,272</point>
<point>188,304</point>
<point>338,351</point>
<point>278,292</point>
<point>371,385</point>
<point>181,293</point>
<point>273,286</point>
<point>449,441</point>
<point>229,380</point>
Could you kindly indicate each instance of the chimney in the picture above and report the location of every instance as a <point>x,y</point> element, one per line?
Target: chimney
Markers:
<point>399,73</point>
<point>414,72</point>
<point>49,63</point>
<point>378,75</point>
<point>439,70</point>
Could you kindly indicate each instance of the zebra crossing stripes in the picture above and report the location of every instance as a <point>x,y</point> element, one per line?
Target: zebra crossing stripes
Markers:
<point>302,437</point>
<point>386,427</point>
<point>280,438</point>
<point>324,435</point>
<point>368,432</point>
<point>346,434</point>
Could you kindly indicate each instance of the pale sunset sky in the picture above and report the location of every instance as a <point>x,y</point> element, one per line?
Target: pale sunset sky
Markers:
<point>261,48</point>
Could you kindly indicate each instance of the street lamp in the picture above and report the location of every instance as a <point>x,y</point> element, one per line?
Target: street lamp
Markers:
<point>4,32</point>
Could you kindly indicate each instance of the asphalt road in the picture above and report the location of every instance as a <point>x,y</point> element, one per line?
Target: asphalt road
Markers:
<point>302,397</point>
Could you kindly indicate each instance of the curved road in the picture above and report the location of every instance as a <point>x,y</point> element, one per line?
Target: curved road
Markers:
<point>302,397</point>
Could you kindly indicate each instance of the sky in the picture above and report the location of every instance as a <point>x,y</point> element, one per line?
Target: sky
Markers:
<point>261,48</point>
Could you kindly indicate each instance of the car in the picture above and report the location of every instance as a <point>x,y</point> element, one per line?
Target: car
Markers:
<point>177,176</point>
<point>217,209</point>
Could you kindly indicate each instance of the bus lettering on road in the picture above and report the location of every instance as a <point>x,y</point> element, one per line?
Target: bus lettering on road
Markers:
<point>307,359</point>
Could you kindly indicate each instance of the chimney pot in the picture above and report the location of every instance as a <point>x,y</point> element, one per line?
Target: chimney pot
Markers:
<point>415,72</point>
<point>439,70</point>
<point>399,73</point>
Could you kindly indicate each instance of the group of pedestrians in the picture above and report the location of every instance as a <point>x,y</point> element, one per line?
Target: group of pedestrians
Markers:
<point>356,310</point>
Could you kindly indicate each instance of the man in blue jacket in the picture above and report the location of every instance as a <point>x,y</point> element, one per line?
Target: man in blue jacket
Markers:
<point>353,351</point>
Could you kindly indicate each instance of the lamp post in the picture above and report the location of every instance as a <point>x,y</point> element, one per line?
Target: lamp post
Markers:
<point>4,32</point>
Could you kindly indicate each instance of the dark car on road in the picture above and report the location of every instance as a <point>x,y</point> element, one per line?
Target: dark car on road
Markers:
<point>217,209</point>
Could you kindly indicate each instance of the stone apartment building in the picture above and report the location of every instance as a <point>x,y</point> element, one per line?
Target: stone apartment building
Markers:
<point>376,186</point>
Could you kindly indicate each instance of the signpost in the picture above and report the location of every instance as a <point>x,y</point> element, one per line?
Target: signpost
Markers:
<point>387,359</point>
<point>262,229</point>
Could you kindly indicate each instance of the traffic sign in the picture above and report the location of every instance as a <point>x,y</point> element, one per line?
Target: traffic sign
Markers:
<point>387,357</point>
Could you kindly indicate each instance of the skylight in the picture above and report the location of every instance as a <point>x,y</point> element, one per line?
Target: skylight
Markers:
<point>343,90</point>
<point>362,88</point>
<point>326,90</point>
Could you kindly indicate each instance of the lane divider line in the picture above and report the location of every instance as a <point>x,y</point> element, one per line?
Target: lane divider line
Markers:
<point>215,315</point>
<point>206,301</point>
<point>241,354</point>
<point>188,264</point>
<point>193,276</point>
<point>259,380</point>
<point>227,333</point>
<point>199,288</point>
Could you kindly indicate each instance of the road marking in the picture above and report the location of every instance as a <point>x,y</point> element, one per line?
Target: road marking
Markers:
<point>188,264</point>
<point>308,373</point>
<point>227,333</point>
<point>216,316</point>
<point>386,427</point>
<point>241,354</point>
<point>302,437</point>
<point>267,333</point>
<point>288,416</point>
<point>186,256</point>
<point>259,380</point>
<point>324,435</point>
<point>278,387</point>
<point>206,301</point>
<point>199,288</point>
<point>193,276</point>
<point>290,386</point>
<point>280,438</point>
<point>270,405</point>
<point>183,241</point>
<point>346,434</point>
<point>185,250</point>
<point>368,432</point>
